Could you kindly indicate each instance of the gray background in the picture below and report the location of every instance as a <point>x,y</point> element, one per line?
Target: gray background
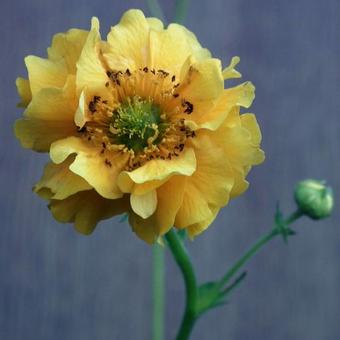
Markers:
<point>56,284</point>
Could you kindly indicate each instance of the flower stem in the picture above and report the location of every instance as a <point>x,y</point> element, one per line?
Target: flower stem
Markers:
<point>183,260</point>
<point>156,9</point>
<point>255,248</point>
<point>181,10</point>
<point>158,292</point>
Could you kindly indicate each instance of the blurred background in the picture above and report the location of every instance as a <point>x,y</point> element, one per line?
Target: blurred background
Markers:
<point>57,284</point>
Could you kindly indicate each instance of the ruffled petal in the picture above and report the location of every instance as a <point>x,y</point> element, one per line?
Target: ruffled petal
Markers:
<point>48,117</point>
<point>24,90</point>
<point>210,185</point>
<point>202,86</point>
<point>100,171</point>
<point>229,72</point>
<point>169,200</point>
<point>241,95</point>
<point>170,48</point>
<point>86,209</point>
<point>248,121</point>
<point>68,46</point>
<point>38,135</point>
<point>44,73</point>
<point>129,42</point>
<point>91,74</point>
<point>198,228</point>
<point>61,182</point>
<point>154,172</point>
<point>240,139</point>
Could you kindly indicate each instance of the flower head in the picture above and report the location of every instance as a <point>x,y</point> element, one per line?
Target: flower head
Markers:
<point>139,123</point>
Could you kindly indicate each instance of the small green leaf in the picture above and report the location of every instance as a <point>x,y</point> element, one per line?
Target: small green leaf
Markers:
<point>208,294</point>
<point>281,225</point>
<point>212,295</point>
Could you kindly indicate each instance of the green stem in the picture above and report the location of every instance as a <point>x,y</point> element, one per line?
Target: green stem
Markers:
<point>158,292</point>
<point>183,260</point>
<point>248,255</point>
<point>181,10</point>
<point>255,248</point>
<point>156,9</point>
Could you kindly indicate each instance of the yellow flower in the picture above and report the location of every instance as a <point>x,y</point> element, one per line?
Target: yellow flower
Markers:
<point>139,123</point>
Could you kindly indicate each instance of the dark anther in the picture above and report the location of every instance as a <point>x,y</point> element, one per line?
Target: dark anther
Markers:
<point>176,85</point>
<point>145,69</point>
<point>188,106</point>
<point>92,106</point>
<point>107,84</point>
<point>128,72</point>
<point>173,78</point>
<point>164,73</point>
<point>107,162</point>
<point>175,95</point>
<point>104,101</point>
<point>104,145</point>
<point>96,99</point>
<point>153,71</point>
<point>181,147</point>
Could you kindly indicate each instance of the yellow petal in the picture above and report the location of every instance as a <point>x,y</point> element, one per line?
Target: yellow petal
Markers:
<point>240,183</point>
<point>210,185</point>
<point>249,122</point>
<point>61,181</point>
<point>198,228</point>
<point>230,72</point>
<point>38,134</point>
<point>169,200</point>
<point>44,73</point>
<point>202,86</point>
<point>170,48</point>
<point>86,209</point>
<point>144,205</point>
<point>155,24</point>
<point>68,46</point>
<point>48,117</point>
<point>24,90</point>
<point>157,171</point>
<point>241,95</point>
<point>55,104</point>
<point>128,42</point>
<point>100,171</point>
<point>90,71</point>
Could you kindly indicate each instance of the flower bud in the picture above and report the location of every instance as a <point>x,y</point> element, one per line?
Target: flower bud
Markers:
<point>314,198</point>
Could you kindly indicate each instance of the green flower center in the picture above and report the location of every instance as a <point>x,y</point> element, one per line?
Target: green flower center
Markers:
<point>137,124</point>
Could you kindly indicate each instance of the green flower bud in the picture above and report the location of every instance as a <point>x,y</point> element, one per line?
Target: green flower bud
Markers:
<point>314,198</point>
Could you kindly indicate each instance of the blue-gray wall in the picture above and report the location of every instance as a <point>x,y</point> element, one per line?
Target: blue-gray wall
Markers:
<point>56,284</point>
